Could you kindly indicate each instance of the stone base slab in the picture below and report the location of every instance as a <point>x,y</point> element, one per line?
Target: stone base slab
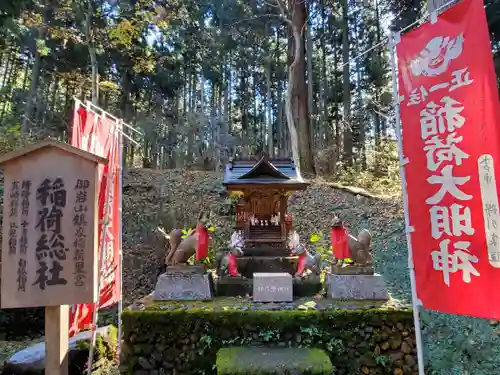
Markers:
<point>352,269</point>
<point>236,286</point>
<point>186,269</point>
<point>357,287</point>
<point>183,287</point>
<point>272,287</point>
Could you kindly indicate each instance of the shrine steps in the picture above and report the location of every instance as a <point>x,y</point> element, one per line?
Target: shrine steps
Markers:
<point>272,361</point>
<point>248,265</point>
<point>236,286</point>
<point>266,251</point>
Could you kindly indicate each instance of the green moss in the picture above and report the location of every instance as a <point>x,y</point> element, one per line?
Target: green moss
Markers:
<point>105,350</point>
<point>186,340</point>
<point>270,361</point>
<point>224,303</point>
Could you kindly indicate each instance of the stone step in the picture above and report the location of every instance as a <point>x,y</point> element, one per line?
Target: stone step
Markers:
<point>268,257</point>
<point>268,239</point>
<point>236,286</point>
<point>272,361</point>
<point>248,265</point>
<point>266,250</point>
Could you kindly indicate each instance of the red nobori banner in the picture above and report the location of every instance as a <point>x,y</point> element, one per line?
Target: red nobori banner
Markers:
<point>449,107</point>
<point>96,134</point>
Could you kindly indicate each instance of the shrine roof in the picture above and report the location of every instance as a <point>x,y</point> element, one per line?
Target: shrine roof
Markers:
<point>265,172</point>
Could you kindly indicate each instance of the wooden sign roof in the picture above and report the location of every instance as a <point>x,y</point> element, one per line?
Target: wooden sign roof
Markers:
<point>49,143</point>
<point>264,173</point>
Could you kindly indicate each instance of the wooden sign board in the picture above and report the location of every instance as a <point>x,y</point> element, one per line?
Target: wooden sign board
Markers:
<point>49,233</point>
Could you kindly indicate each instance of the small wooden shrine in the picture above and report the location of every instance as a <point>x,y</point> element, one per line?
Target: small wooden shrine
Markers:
<point>261,213</point>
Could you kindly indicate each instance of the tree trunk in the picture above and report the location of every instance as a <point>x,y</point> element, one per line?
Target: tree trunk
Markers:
<point>346,86</point>
<point>269,120</point>
<point>31,99</point>
<point>310,101</point>
<point>92,53</point>
<point>323,82</point>
<point>296,106</point>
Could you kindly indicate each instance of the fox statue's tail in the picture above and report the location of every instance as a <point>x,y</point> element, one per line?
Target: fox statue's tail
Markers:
<point>365,238</point>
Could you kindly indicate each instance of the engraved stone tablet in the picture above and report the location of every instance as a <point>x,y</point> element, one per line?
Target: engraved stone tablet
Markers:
<point>183,287</point>
<point>357,287</point>
<point>272,287</point>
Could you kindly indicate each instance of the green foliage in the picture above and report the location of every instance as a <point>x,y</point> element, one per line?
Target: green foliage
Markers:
<point>472,352</point>
<point>453,345</point>
<point>193,337</point>
<point>382,175</point>
<point>105,346</point>
<point>10,140</point>
<point>186,232</point>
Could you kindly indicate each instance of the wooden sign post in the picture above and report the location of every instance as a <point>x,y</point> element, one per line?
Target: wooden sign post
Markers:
<point>49,237</point>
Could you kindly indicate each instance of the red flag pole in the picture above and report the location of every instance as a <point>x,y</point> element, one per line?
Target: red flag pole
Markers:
<point>102,247</point>
<point>120,240</point>
<point>393,41</point>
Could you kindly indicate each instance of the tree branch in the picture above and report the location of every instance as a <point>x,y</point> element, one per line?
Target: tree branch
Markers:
<point>269,15</point>
<point>285,14</point>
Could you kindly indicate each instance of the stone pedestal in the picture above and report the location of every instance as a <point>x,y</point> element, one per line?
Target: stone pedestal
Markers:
<point>272,287</point>
<point>357,287</point>
<point>236,286</point>
<point>183,283</point>
<point>352,269</point>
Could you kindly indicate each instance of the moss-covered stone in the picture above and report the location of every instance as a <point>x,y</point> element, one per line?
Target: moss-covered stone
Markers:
<point>270,361</point>
<point>246,303</point>
<point>32,362</point>
<point>184,338</point>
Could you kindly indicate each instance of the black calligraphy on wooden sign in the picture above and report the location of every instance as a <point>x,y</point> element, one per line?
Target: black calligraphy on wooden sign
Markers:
<point>14,199</point>
<point>22,275</point>
<point>50,247</point>
<point>80,223</point>
<point>13,208</point>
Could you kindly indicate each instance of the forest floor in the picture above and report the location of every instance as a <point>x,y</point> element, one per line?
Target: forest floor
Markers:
<point>175,197</point>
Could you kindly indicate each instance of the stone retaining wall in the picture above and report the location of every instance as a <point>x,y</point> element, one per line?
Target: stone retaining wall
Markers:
<point>167,339</point>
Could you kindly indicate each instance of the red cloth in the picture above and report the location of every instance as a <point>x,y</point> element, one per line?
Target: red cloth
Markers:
<point>339,242</point>
<point>94,134</point>
<point>232,269</point>
<point>449,96</point>
<point>202,248</point>
<point>301,264</point>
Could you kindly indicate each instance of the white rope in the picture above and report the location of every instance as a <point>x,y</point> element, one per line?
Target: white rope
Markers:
<point>386,39</point>
<point>90,104</point>
<point>116,129</point>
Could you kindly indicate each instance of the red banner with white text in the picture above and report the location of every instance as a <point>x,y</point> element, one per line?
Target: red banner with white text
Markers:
<point>97,135</point>
<point>449,108</point>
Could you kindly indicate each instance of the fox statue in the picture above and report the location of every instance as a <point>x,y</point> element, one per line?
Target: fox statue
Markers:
<point>183,249</point>
<point>346,245</point>
<point>306,261</point>
<point>226,262</point>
